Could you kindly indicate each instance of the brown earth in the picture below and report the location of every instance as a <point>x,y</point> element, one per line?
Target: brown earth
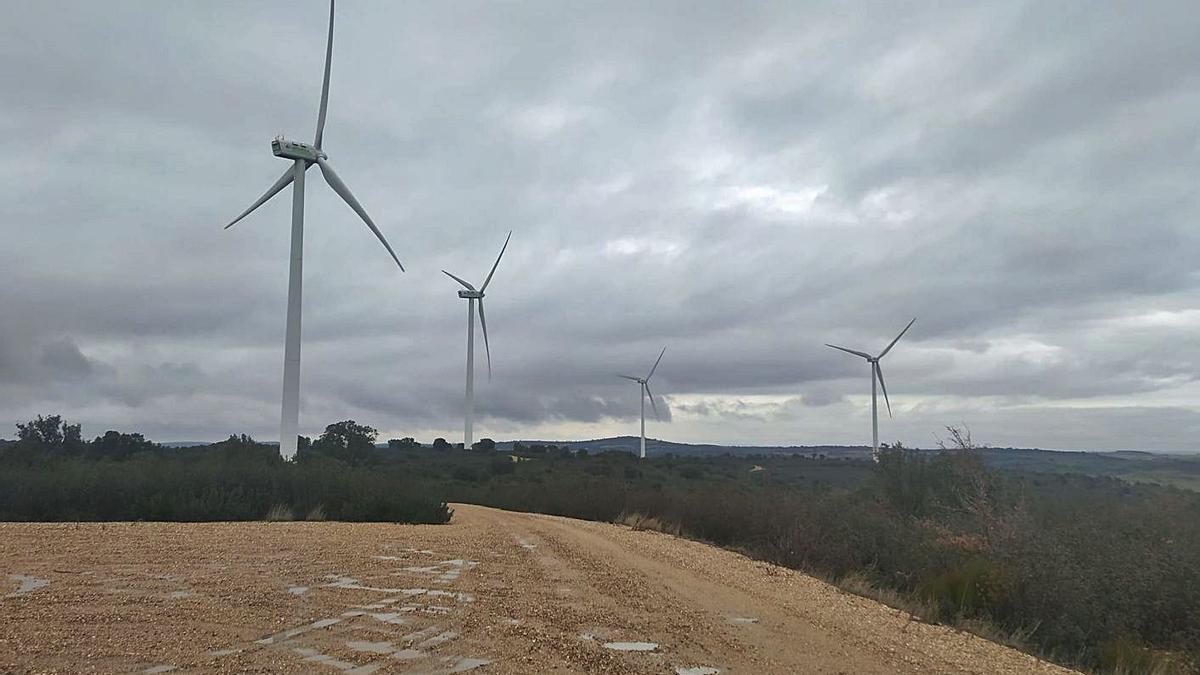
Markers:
<point>492,592</point>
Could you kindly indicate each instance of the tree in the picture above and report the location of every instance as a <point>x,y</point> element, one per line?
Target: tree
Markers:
<point>484,445</point>
<point>116,445</point>
<point>406,443</point>
<point>245,449</point>
<point>50,434</point>
<point>440,444</point>
<point>348,441</point>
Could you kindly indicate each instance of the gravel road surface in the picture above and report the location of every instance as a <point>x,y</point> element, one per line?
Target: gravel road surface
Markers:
<point>491,592</point>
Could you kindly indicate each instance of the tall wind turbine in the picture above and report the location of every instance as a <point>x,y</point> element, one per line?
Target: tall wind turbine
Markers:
<point>877,374</point>
<point>303,156</point>
<point>471,295</point>
<point>645,385</point>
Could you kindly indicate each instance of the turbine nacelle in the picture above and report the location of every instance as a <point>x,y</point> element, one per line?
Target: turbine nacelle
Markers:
<point>471,295</point>
<point>282,147</point>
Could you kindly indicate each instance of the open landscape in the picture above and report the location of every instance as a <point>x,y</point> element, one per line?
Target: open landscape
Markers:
<point>830,337</point>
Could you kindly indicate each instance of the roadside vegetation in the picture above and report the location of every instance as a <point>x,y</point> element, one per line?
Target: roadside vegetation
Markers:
<point>1088,571</point>
<point>51,474</point>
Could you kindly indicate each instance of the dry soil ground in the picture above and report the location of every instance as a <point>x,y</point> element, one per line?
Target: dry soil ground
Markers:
<point>492,592</point>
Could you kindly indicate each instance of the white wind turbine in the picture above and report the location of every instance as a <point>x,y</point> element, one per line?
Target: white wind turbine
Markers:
<point>471,295</point>
<point>645,385</point>
<point>303,156</point>
<point>877,375</point>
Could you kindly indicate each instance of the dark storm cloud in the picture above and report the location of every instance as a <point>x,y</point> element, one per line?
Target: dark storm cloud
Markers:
<point>63,357</point>
<point>741,183</point>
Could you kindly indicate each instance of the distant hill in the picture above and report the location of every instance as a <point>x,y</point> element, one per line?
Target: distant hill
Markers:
<point>1180,470</point>
<point>1132,465</point>
<point>658,448</point>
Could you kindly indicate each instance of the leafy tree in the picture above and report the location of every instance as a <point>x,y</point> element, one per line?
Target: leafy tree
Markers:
<point>116,445</point>
<point>243,448</point>
<point>406,443</point>
<point>347,441</point>
<point>440,444</point>
<point>484,445</point>
<point>50,434</point>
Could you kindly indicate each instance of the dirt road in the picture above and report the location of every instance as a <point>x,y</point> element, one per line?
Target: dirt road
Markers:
<point>492,592</point>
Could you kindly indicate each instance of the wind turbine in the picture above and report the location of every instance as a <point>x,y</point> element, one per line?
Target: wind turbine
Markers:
<point>645,384</point>
<point>471,295</point>
<point>303,156</point>
<point>877,374</point>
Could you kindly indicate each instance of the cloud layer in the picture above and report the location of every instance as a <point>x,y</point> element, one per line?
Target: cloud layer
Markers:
<point>741,183</point>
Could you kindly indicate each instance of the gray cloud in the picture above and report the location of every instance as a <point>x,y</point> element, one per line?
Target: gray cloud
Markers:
<point>63,358</point>
<point>742,183</point>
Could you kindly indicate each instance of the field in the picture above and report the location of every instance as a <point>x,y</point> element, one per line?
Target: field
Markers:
<point>493,591</point>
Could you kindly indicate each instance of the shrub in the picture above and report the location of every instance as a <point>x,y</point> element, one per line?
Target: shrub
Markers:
<point>502,465</point>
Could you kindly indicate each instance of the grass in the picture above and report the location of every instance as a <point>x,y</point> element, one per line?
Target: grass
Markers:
<point>640,521</point>
<point>279,513</point>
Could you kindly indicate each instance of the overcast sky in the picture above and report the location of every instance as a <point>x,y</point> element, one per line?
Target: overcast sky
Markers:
<point>741,182</point>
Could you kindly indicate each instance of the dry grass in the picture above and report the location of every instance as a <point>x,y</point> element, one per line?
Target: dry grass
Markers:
<point>639,521</point>
<point>280,513</point>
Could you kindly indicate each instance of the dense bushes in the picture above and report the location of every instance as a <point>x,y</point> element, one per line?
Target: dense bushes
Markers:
<point>50,475</point>
<point>153,487</point>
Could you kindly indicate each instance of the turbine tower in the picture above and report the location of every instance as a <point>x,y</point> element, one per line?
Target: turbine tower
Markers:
<point>877,375</point>
<point>645,385</point>
<point>471,295</point>
<point>302,155</point>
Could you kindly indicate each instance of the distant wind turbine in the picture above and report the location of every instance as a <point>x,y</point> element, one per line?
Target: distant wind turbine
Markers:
<point>877,374</point>
<point>645,385</point>
<point>303,156</point>
<point>471,295</point>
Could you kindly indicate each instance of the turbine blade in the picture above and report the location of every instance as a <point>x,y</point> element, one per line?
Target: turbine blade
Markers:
<point>893,343</point>
<point>651,397</point>
<point>660,355</point>
<point>879,372</point>
<point>483,322</point>
<point>850,351</point>
<point>284,180</point>
<point>461,281</point>
<point>339,187</point>
<point>325,84</point>
<point>488,280</point>
<point>629,377</point>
